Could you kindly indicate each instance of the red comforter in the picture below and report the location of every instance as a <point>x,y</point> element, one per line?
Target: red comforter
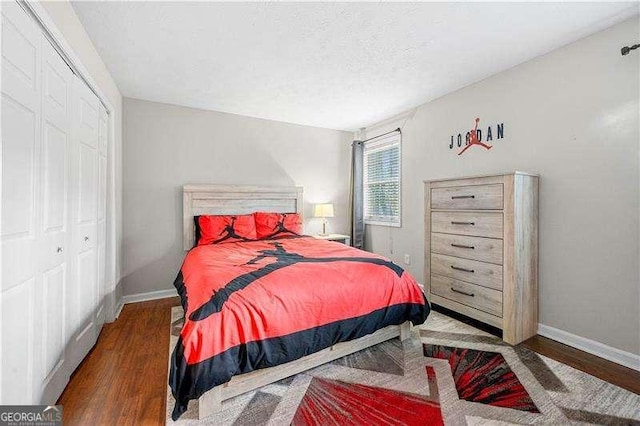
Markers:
<point>257,304</point>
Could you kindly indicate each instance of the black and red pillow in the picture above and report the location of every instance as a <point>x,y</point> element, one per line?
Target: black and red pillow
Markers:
<point>274,225</point>
<point>215,229</point>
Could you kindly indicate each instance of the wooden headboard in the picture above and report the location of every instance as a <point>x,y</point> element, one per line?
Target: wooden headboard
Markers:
<point>233,199</point>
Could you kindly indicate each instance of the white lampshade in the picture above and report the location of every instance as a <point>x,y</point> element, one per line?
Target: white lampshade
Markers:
<point>323,210</point>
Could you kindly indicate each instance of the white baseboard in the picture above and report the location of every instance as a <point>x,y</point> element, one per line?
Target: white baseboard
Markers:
<point>152,295</point>
<point>118,309</point>
<point>610,353</point>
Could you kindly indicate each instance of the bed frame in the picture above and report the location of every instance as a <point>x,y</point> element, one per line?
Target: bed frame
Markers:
<point>233,199</point>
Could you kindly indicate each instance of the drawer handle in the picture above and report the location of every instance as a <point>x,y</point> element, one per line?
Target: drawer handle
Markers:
<point>462,246</point>
<point>462,269</point>
<point>59,250</point>
<point>460,197</point>
<point>455,290</point>
<point>463,223</point>
<point>86,238</point>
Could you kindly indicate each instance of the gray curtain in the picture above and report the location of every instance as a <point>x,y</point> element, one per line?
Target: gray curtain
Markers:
<point>356,195</point>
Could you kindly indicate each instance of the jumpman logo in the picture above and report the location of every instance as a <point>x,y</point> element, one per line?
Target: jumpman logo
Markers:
<point>473,139</point>
<point>280,228</point>
<point>283,259</point>
<point>230,232</point>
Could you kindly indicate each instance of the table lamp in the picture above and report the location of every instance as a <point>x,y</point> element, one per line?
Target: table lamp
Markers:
<point>324,211</point>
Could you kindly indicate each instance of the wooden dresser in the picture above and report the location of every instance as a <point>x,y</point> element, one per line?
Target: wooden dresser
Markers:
<point>481,250</point>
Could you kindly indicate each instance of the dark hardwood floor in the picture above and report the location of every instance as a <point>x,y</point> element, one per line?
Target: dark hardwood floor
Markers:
<point>601,368</point>
<point>124,378</point>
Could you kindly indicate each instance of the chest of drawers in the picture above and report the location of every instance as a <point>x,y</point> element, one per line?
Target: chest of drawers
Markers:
<point>481,250</point>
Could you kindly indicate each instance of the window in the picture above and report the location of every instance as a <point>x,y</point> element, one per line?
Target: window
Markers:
<point>381,180</point>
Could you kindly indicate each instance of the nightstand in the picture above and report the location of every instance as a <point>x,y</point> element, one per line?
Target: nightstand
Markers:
<point>344,239</point>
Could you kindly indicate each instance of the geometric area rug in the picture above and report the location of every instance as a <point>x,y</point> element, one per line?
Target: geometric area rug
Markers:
<point>448,373</point>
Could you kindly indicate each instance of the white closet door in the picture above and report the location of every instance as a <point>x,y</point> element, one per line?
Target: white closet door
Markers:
<point>86,121</point>
<point>19,223</point>
<point>57,80</point>
<point>53,215</point>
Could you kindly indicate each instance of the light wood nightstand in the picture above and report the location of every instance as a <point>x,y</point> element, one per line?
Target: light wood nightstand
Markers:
<point>344,239</point>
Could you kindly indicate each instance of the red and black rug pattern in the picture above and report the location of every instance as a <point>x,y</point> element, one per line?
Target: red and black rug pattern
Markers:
<point>334,402</point>
<point>447,373</point>
<point>484,377</point>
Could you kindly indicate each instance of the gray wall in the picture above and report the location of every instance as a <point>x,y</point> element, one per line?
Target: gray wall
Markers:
<point>573,117</point>
<point>168,146</point>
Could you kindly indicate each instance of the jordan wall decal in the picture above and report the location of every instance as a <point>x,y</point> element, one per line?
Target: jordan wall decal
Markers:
<point>475,137</point>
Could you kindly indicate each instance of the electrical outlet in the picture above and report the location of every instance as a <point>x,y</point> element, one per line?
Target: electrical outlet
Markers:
<point>407,259</point>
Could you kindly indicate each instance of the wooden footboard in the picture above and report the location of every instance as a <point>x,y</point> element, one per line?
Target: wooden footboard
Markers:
<point>211,402</point>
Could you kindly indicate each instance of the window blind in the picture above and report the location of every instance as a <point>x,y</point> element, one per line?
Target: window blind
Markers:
<point>381,180</point>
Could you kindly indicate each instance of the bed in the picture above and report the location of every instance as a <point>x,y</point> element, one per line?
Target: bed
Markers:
<point>258,311</point>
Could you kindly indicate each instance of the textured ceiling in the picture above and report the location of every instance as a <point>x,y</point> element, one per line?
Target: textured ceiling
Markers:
<point>333,65</point>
